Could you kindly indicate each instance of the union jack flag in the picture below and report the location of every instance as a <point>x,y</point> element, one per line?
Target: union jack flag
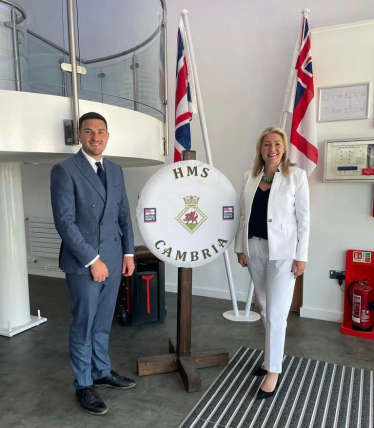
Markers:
<point>183,100</point>
<point>303,138</point>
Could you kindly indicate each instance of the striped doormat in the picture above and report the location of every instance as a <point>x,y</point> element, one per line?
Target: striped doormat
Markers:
<point>311,394</point>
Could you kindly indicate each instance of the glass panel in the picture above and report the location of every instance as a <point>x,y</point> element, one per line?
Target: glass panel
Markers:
<point>119,82</point>
<point>113,80</point>
<point>46,47</point>
<point>151,78</point>
<point>90,86</point>
<point>108,28</point>
<point>110,84</point>
<point>44,71</point>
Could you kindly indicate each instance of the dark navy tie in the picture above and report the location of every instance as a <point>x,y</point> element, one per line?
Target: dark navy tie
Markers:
<point>101,173</point>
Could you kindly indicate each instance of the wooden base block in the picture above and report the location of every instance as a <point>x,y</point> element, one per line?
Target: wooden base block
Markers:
<point>215,357</point>
<point>189,374</point>
<point>185,364</point>
<point>157,364</point>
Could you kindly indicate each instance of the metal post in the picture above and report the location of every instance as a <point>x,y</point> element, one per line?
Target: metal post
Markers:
<point>249,299</point>
<point>16,61</point>
<point>233,315</point>
<point>208,154</point>
<point>199,99</point>
<point>134,68</point>
<point>73,61</point>
<point>101,77</point>
<point>166,127</point>
<point>250,316</point>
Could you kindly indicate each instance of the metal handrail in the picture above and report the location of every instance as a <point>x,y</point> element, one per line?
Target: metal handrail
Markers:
<point>18,7</point>
<point>95,60</point>
<point>126,52</point>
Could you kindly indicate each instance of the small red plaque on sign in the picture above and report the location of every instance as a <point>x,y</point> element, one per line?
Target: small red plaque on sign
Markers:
<point>367,171</point>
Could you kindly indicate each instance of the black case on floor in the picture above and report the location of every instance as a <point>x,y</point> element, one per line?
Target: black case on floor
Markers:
<point>141,297</point>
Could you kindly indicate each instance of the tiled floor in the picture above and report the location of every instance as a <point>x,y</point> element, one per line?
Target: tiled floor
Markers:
<point>36,382</point>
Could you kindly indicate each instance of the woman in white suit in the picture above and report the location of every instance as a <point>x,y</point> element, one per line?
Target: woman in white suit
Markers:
<point>272,241</point>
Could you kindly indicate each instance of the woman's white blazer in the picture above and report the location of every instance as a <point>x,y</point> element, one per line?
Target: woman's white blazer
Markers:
<point>287,215</point>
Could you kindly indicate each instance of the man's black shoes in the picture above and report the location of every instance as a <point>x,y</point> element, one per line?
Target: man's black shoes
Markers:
<point>114,380</point>
<point>90,401</point>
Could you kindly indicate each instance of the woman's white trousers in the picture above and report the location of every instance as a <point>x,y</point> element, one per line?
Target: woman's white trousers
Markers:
<point>274,284</point>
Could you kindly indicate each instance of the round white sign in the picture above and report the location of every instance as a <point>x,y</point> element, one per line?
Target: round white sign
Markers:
<point>187,213</point>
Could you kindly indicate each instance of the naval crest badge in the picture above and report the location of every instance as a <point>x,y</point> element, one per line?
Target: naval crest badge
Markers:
<point>191,218</point>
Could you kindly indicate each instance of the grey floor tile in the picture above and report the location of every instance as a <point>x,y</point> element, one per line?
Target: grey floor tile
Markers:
<point>36,382</point>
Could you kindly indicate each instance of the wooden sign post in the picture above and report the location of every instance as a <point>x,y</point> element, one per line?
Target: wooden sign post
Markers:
<point>180,357</point>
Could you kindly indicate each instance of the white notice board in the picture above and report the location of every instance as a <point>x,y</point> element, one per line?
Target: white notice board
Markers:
<point>344,102</point>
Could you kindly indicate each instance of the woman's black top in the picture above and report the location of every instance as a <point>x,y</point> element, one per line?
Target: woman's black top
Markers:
<point>258,220</point>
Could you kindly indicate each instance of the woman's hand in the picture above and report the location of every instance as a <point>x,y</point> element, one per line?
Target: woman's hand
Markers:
<point>298,268</point>
<point>242,259</point>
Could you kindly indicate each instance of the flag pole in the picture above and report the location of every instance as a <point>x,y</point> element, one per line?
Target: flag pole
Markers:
<point>204,130</point>
<point>234,314</point>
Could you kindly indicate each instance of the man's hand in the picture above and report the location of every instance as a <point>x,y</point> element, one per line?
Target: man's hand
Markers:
<point>99,271</point>
<point>128,266</point>
<point>242,259</point>
<point>298,268</point>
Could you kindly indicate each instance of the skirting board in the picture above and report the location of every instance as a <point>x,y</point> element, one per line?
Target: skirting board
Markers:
<point>305,312</point>
<point>173,288</point>
<point>45,272</point>
<point>209,292</point>
<point>321,314</point>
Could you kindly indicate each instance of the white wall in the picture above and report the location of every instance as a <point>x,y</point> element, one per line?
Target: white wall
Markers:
<point>243,50</point>
<point>341,212</point>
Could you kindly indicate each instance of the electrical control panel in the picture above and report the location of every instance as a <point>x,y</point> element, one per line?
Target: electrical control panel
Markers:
<point>349,160</point>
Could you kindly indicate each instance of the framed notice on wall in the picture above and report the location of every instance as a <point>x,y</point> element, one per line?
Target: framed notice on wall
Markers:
<point>343,102</point>
<point>349,160</point>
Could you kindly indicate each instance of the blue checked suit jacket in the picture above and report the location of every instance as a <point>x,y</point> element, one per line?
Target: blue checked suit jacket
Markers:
<point>90,219</point>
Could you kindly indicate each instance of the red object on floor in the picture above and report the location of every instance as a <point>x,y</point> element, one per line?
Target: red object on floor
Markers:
<point>148,280</point>
<point>359,267</point>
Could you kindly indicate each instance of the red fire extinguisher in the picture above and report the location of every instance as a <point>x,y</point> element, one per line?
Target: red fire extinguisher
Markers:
<point>362,305</point>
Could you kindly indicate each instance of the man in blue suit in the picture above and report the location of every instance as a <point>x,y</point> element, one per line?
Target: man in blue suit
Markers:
<point>92,216</point>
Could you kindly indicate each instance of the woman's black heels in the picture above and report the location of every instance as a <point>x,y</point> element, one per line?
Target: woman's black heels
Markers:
<point>260,372</point>
<point>261,395</point>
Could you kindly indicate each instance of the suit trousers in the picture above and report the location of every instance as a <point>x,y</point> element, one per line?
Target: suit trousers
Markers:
<point>92,306</point>
<point>274,285</point>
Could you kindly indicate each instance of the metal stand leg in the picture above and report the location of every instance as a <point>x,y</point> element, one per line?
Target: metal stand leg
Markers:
<point>231,285</point>
<point>247,315</point>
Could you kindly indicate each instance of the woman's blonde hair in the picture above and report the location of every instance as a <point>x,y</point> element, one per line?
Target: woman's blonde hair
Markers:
<point>260,163</point>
